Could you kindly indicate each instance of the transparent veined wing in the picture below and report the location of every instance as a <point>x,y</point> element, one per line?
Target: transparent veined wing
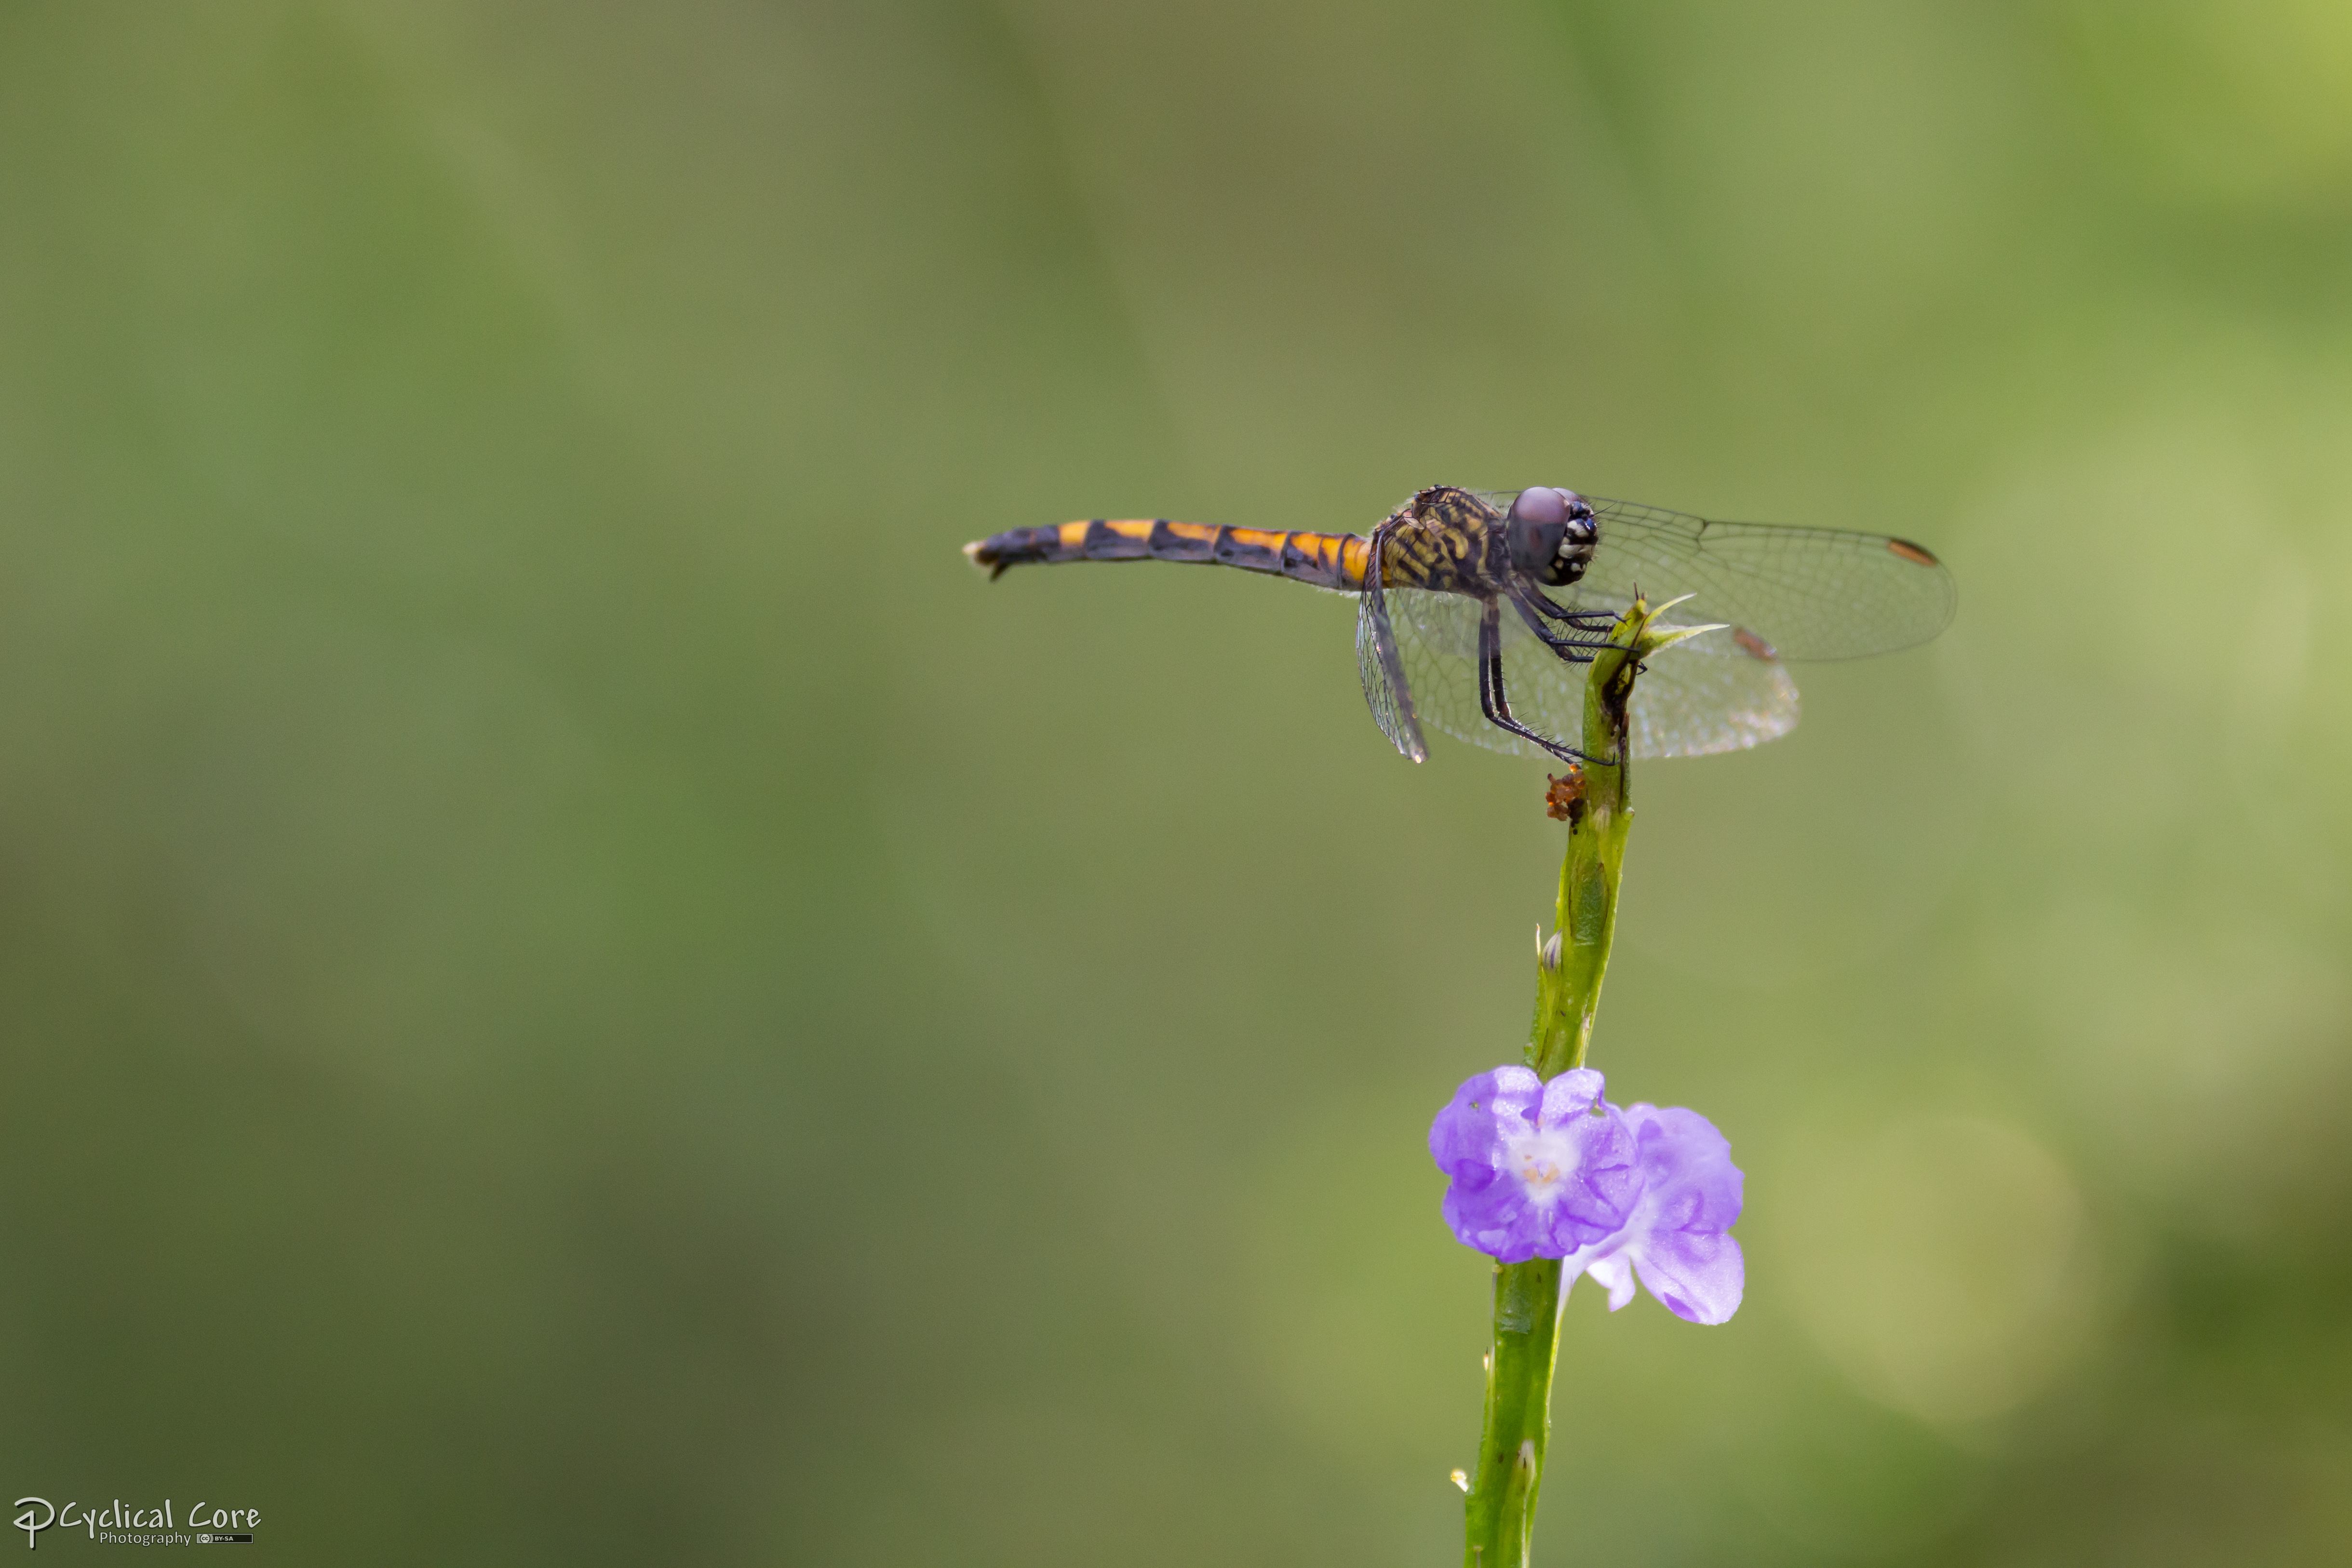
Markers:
<point>1810,593</point>
<point>1431,670</point>
<point>1388,689</point>
<point>1712,693</point>
<point>1719,690</point>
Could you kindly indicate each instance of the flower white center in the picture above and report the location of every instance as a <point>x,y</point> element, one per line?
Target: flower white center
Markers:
<point>1542,1162</point>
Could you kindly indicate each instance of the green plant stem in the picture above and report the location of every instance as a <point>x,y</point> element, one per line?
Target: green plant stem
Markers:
<point>1501,1508</point>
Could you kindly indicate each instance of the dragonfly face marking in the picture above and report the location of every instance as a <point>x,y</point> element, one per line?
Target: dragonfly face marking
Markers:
<point>1479,611</point>
<point>1551,535</point>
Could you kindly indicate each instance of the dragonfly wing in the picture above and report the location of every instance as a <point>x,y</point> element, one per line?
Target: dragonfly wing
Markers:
<point>1810,593</point>
<point>1711,693</point>
<point>1438,635</point>
<point>1437,644</point>
<point>1718,691</point>
<point>1380,665</point>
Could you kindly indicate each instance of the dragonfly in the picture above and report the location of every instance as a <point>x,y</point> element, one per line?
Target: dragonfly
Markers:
<point>1479,612</point>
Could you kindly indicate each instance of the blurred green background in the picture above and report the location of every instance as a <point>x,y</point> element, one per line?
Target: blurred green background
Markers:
<point>577,988</point>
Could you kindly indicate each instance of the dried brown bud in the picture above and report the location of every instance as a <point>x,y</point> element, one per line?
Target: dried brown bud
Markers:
<point>1567,789</point>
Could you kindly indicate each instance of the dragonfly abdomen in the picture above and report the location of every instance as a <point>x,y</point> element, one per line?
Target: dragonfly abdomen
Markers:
<point>1326,560</point>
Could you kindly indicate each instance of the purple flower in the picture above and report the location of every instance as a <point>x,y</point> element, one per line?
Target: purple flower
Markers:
<point>1539,1170</point>
<point>1675,1238</point>
<point>1553,1170</point>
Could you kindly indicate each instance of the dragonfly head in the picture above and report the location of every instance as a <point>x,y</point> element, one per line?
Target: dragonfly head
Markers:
<point>1551,535</point>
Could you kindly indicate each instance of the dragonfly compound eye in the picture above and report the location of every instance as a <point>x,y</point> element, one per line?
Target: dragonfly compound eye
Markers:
<point>1551,535</point>
<point>1540,505</point>
<point>1539,520</point>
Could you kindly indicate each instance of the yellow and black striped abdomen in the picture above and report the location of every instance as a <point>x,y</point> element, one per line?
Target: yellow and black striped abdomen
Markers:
<point>1326,560</point>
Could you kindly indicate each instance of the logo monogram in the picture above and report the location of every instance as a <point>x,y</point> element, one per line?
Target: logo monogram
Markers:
<point>37,1516</point>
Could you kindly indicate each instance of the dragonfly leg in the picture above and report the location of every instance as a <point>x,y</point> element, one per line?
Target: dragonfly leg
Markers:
<point>1492,701</point>
<point>1541,602</point>
<point>1577,647</point>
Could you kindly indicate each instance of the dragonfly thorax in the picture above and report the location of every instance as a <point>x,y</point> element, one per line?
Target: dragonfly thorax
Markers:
<point>1551,535</point>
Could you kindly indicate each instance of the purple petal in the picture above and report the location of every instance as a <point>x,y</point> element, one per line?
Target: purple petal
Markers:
<point>1464,1139</point>
<point>1569,1095</point>
<point>1692,1194</point>
<point>1699,1277</point>
<point>1614,1275</point>
<point>1608,1182</point>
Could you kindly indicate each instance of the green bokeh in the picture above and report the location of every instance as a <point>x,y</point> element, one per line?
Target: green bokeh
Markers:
<point>577,988</point>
